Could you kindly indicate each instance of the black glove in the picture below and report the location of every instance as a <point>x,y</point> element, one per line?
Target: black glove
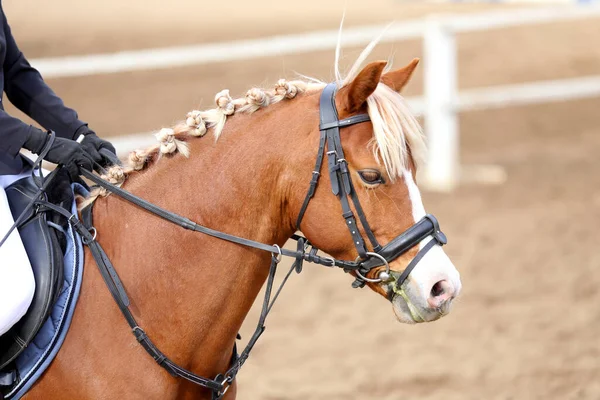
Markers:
<point>67,152</point>
<point>92,144</point>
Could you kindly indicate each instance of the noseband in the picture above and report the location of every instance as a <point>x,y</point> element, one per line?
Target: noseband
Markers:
<point>343,188</point>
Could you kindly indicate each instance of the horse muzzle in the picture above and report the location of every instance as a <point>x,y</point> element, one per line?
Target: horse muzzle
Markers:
<point>429,293</point>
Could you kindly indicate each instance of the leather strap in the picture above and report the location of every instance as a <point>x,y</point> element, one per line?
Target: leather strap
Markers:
<point>363,219</point>
<point>413,263</point>
<point>428,226</point>
<point>190,225</point>
<point>117,290</point>
<point>179,220</point>
<point>218,385</point>
<point>338,169</point>
<point>41,181</point>
<point>314,179</point>
<point>268,303</point>
<point>355,119</point>
<point>341,183</point>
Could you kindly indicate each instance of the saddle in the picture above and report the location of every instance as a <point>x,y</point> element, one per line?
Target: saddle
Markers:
<point>43,236</point>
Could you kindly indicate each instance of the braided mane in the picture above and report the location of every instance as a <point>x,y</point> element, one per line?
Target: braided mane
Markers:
<point>396,133</point>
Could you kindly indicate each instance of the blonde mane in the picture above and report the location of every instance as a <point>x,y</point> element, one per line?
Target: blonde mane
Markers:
<point>395,129</point>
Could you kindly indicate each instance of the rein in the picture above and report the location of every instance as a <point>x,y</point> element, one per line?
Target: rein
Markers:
<point>41,182</point>
<point>342,187</point>
<point>186,223</point>
<point>221,383</point>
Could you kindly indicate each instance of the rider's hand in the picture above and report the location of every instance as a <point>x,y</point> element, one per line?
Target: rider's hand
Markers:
<point>63,151</point>
<point>92,144</point>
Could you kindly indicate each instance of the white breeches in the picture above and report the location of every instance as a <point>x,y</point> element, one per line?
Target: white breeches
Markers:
<point>17,284</point>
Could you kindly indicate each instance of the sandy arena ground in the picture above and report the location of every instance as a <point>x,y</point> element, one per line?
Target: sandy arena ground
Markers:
<point>527,325</point>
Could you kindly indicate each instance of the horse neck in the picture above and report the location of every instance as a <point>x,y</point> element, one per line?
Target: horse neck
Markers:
<point>189,291</point>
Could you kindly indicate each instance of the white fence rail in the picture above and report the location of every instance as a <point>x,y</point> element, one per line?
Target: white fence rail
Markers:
<point>441,101</point>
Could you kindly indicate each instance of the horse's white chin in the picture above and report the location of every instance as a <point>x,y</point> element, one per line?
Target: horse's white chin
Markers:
<point>407,313</point>
<point>401,311</point>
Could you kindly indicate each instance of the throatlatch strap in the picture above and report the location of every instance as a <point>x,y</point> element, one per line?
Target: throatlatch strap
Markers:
<point>314,179</point>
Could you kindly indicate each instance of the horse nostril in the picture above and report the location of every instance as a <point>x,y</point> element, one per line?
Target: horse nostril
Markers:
<point>441,292</point>
<point>437,289</point>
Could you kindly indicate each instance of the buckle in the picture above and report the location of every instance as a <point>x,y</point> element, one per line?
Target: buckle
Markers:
<point>277,258</point>
<point>227,380</point>
<point>86,240</point>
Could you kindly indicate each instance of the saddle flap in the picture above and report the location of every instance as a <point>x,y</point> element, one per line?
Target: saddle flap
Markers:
<point>42,245</point>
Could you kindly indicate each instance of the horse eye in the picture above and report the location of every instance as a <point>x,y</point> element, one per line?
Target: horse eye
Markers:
<point>371,176</point>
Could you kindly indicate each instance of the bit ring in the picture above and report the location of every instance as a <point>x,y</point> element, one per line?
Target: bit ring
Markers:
<point>375,280</point>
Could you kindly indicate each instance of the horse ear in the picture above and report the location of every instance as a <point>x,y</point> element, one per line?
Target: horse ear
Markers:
<point>399,78</point>
<point>356,93</point>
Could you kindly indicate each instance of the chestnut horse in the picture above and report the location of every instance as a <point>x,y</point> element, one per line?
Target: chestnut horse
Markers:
<point>248,177</point>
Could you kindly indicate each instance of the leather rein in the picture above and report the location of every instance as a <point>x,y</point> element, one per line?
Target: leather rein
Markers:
<point>342,187</point>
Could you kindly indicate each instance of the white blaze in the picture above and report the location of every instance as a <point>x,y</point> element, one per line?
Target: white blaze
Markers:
<point>435,266</point>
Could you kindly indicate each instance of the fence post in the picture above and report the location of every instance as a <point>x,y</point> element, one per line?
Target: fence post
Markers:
<point>441,122</point>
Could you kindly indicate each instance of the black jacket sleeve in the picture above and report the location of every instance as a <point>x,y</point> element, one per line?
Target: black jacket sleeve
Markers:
<point>13,134</point>
<point>27,90</point>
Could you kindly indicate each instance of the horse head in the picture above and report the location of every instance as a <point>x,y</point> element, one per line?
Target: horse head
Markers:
<point>382,147</point>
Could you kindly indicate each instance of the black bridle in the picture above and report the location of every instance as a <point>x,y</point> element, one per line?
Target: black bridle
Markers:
<point>342,187</point>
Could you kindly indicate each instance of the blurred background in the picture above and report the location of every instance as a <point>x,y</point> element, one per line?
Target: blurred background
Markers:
<point>518,110</point>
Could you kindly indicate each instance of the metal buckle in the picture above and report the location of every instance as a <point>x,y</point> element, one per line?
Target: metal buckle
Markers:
<point>277,258</point>
<point>381,277</point>
<point>86,241</point>
<point>95,233</point>
<point>227,380</point>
